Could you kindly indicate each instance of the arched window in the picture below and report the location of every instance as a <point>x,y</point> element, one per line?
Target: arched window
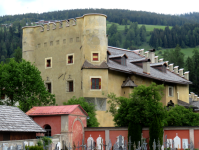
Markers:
<point>48,130</point>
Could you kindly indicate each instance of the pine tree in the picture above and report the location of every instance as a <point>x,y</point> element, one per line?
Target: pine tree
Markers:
<point>134,131</point>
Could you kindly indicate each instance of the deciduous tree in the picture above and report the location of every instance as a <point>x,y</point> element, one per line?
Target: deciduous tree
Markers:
<point>22,83</point>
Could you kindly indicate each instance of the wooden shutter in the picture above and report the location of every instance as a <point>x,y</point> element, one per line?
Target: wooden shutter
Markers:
<point>95,56</point>
<point>99,83</point>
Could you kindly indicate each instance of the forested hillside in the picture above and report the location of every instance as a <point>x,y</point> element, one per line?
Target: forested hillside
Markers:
<point>113,15</point>
<point>186,36</point>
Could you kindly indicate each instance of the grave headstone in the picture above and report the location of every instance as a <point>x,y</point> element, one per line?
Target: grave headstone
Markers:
<point>5,146</point>
<point>185,143</point>
<point>31,144</point>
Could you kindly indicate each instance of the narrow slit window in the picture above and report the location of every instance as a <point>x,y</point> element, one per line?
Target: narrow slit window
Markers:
<point>70,83</point>
<point>95,56</point>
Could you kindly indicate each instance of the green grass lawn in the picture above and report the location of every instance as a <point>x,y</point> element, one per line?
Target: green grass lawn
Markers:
<point>148,27</point>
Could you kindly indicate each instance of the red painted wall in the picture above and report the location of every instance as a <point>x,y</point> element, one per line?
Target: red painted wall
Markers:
<point>196,139</point>
<point>77,132</point>
<point>53,121</point>
<point>114,134</point>
<point>182,134</point>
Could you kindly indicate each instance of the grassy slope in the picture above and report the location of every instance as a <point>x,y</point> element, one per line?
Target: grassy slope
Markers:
<point>145,46</point>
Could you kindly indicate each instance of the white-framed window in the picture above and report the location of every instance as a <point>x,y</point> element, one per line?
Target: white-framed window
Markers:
<point>170,91</point>
<point>48,62</point>
<point>70,59</point>
<point>70,86</point>
<point>95,57</point>
<point>96,82</point>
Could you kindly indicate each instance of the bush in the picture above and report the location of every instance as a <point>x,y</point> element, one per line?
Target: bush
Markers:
<point>34,147</point>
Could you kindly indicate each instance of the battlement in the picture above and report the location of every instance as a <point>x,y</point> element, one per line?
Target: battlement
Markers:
<point>61,24</point>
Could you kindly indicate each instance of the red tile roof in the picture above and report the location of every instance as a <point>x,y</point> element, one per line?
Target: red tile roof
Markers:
<point>53,110</point>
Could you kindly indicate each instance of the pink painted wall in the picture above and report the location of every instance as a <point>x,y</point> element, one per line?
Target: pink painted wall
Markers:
<point>53,121</point>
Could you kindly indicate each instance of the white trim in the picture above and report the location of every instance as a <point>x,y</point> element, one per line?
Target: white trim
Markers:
<point>90,83</point>
<point>92,56</point>
<point>72,54</point>
<point>46,62</point>
<point>172,91</point>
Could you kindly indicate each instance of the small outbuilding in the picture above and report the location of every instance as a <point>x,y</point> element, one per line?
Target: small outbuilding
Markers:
<point>16,125</point>
<point>68,119</point>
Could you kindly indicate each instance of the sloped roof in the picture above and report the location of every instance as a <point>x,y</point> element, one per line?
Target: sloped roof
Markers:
<point>129,83</point>
<point>88,65</point>
<point>187,105</point>
<point>116,56</point>
<point>53,110</point>
<point>131,68</point>
<point>14,120</point>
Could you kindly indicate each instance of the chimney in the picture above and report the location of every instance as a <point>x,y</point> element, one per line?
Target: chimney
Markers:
<point>171,67</point>
<point>176,69</point>
<point>142,52</point>
<point>156,59</point>
<point>186,75</point>
<point>167,62</point>
<point>146,54</point>
<point>189,95</point>
<point>181,72</point>
<point>152,56</point>
<point>146,67</point>
<point>161,60</point>
<point>192,96</point>
<point>195,97</point>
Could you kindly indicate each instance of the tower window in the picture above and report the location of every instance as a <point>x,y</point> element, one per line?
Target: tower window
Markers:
<point>95,83</point>
<point>70,83</point>
<point>70,86</point>
<point>70,59</point>
<point>48,62</point>
<point>95,57</point>
<point>48,87</point>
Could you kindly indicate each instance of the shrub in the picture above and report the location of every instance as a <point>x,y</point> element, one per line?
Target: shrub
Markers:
<point>34,147</point>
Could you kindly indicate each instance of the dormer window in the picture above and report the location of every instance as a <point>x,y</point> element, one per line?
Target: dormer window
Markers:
<point>162,66</point>
<point>120,59</point>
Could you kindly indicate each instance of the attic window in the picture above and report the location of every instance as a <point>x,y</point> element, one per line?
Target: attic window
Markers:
<point>120,59</point>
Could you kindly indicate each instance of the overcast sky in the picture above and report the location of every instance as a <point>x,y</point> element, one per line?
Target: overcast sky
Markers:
<point>11,7</point>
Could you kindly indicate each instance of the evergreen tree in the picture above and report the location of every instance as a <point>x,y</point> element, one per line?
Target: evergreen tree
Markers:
<point>134,131</point>
<point>155,132</point>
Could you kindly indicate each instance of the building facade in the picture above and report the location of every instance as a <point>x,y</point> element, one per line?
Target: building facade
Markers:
<point>75,60</point>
